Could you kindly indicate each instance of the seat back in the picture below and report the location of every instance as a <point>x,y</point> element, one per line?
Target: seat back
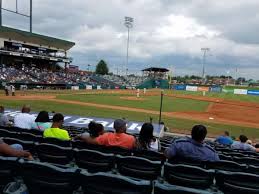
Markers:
<point>103,183</point>
<point>6,133</point>
<point>94,161</point>
<point>116,150</point>
<point>8,167</point>
<point>247,160</point>
<point>83,145</point>
<point>138,167</point>
<point>41,178</point>
<point>227,166</point>
<point>54,154</point>
<point>225,157</point>
<point>189,176</point>
<point>56,141</point>
<point>151,155</point>
<point>169,189</point>
<point>237,182</point>
<point>253,169</point>
<point>27,136</point>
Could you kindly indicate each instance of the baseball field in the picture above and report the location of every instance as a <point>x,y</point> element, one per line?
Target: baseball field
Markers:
<point>181,109</point>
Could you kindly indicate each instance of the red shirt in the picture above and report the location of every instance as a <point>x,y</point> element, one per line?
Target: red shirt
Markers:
<point>116,139</point>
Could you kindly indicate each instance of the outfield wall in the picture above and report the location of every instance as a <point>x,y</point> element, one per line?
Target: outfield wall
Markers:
<point>218,89</point>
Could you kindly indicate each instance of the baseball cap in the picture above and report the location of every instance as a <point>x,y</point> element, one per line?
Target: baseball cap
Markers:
<point>119,123</point>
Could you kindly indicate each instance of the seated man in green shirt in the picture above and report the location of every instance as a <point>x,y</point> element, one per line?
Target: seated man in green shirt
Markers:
<point>55,131</point>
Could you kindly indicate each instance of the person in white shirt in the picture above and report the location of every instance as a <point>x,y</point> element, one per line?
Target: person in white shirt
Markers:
<point>24,120</point>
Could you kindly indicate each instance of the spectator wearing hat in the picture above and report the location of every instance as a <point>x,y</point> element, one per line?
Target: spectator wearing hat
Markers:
<point>119,138</point>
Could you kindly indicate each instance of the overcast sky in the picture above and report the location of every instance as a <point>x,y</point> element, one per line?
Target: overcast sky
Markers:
<point>166,33</point>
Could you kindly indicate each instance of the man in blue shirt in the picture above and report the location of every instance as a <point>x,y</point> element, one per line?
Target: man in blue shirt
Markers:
<point>192,148</point>
<point>242,145</point>
<point>224,139</point>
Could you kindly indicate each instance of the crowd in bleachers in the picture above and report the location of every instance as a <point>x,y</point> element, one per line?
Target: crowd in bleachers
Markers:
<point>65,159</point>
<point>34,74</point>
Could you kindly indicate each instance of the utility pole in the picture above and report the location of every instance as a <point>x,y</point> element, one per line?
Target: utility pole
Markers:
<point>204,50</point>
<point>129,24</point>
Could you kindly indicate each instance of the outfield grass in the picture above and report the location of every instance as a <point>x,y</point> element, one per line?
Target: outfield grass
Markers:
<point>182,125</point>
<point>170,104</point>
<point>227,96</point>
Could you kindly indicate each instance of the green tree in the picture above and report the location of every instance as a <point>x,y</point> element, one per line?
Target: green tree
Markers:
<point>102,68</point>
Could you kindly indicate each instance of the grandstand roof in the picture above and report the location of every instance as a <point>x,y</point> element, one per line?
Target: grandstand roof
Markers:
<point>19,35</point>
<point>156,69</point>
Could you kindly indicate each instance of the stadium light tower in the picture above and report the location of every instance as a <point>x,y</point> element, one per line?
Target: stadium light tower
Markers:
<point>204,50</point>
<point>129,24</point>
<point>16,12</point>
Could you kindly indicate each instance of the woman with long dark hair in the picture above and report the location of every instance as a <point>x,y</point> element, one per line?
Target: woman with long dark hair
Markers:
<point>146,140</point>
<point>42,121</point>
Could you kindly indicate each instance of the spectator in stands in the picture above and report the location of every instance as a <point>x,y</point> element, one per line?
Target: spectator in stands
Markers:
<point>119,138</point>
<point>146,140</point>
<point>192,148</point>
<point>4,121</point>
<point>55,131</point>
<point>94,131</point>
<point>42,121</point>
<point>24,120</point>
<point>14,150</point>
<point>242,145</point>
<point>224,139</point>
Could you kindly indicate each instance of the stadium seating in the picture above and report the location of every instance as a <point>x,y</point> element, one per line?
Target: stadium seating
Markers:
<point>253,169</point>
<point>54,154</point>
<point>56,141</point>
<point>138,167</point>
<point>42,178</point>
<point>151,155</point>
<point>103,183</point>
<point>94,161</point>
<point>8,167</point>
<point>27,136</point>
<point>247,160</point>
<point>235,182</point>
<point>226,165</point>
<point>6,133</point>
<point>171,189</point>
<point>116,150</point>
<point>188,176</point>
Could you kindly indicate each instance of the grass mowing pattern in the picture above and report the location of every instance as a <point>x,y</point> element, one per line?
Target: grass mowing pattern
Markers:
<point>170,104</point>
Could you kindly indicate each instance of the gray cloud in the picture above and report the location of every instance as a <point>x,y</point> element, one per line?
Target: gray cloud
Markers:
<point>165,32</point>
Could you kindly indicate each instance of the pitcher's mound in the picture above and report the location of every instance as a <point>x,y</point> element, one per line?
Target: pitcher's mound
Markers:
<point>132,98</point>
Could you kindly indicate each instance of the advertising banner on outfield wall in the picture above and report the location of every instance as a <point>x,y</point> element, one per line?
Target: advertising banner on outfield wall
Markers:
<point>179,87</point>
<point>253,92</point>
<point>203,89</point>
<point>98,87</point>
<point>228,90</point>
<point>240,91</point>
<point>79,121</point>
<point>192,88</point>
<point>215,89</point>
<point>74,87</point>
